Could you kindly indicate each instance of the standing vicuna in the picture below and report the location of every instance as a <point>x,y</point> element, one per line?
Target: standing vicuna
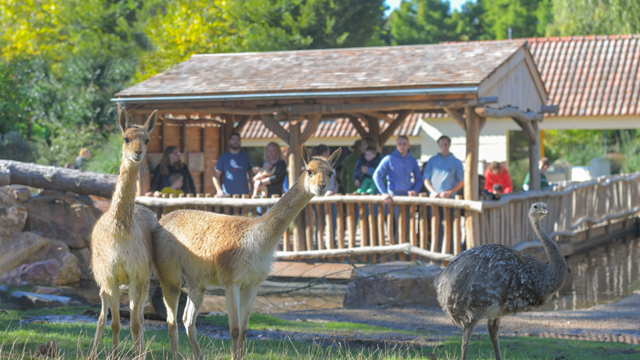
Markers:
<point>121,241</point>
<point>231,251</point>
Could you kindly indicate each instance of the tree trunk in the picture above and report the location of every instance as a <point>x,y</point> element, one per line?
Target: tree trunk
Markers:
<point>56,178</point>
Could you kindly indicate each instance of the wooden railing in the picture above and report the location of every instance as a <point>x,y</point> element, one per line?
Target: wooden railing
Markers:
<point>344,225</point>
<point>573,207</point>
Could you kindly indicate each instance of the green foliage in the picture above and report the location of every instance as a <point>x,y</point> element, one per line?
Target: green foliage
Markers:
<point>66,144</point>
<point>266,25</point>
<point>594,17</point>
<point>527,18</point>
<point>14,147</point>
<point>107,157</point>
<point>421,22</point>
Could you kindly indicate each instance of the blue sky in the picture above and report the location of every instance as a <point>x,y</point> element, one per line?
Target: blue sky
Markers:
<point>455,4</point>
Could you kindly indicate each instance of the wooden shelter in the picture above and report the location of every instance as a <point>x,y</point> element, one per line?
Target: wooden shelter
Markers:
<point>292,91</point>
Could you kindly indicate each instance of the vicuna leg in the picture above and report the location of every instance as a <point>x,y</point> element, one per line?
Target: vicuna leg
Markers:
<point>494,330</point>
<point>137,297</point>
<point>466,338</point>
<point>114,302</point>
<point>171,295</point>
<point>247,298</point>
<point>232,297</point>
<point>196,295</point>
<point>102,321</point>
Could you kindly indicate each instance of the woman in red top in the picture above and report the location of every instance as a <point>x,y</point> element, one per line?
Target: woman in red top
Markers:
<point>498,174</point>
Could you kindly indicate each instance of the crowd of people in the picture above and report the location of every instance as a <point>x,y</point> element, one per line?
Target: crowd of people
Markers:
<point>363,171</point>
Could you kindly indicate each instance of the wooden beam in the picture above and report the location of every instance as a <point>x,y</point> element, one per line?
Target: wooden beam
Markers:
<point>302,109</point>
<point>456,115</point>
<point>534,158</point>
<point>272,124</point>
<point>386,134</point>
<point>513,112</point>
<point>379,115</point>
<point>472,222</point>
<point>312,126</point>
<point>359,128</point>
<point>242,123</point>
<point>295,165</point>
<point>483,122</point>
<point>374,129</point>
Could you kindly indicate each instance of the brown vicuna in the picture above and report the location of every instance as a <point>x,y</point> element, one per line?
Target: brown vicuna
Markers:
<point>231,251</point>
<point>121,241</point>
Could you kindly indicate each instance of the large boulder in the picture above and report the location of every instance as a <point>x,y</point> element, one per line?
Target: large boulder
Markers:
<point>84,256</point>
<point>15,248</point>
<point>29,300</point>
<point>41,273</point>
<point>13,215</point>
<point>70,271</point>
<point>394,284</point>
<point>63,216</point>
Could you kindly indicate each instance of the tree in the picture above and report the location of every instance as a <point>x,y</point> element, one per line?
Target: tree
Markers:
<point>594,17</point>
<point>267,25</point>
<point>172,41</point>
<point>526,18</point>
<point>422,22</point>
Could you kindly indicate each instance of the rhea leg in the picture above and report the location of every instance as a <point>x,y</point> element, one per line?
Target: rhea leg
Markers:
<point>102,322</point>
<point>114,302</point>
<point>247,298</point>
<point>466,338</point>
<point>494,330</point>
<point>138,291</point>
<point>232,297</point>
<point>196,295</point>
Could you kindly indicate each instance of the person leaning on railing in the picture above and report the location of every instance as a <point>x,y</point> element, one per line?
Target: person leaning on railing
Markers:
<point>397,169</point>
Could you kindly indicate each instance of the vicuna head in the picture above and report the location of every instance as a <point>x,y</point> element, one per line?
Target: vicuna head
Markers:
<point>136,137</point>
<point>538,211</point>
<point>318,171</point>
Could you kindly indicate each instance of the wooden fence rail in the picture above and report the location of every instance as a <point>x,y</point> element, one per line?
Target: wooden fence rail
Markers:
<point>362,225</point>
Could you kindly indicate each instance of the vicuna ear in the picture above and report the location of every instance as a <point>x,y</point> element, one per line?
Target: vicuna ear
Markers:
<point>151,121</point>
<point>123,120</point>
<point>333,159</point>
<point>306,157</point>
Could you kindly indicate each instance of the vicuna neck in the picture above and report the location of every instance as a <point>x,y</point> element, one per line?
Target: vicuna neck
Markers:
<point>123,200</point>
<point>557,263</point>
<point>278,218</point>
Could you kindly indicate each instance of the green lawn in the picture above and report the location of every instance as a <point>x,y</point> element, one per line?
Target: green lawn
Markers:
<point>18,340</point>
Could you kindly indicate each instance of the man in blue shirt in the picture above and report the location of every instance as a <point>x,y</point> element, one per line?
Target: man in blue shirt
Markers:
<point>236,167</point>
<point>397,169</point>
<point>444,175</point>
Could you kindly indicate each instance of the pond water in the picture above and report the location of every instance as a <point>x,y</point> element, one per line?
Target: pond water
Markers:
<point>601,275</point>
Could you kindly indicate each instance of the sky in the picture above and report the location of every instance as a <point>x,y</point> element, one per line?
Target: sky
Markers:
<point>455,4</point>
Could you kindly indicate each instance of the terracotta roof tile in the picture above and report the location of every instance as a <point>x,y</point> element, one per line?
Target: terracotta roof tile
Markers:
<point>590,75</point>
<point>333,128</point>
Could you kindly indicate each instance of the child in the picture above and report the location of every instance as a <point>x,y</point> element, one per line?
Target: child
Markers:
<point>266,171</point>
<point>176,180</point>
<point>365,167</point>
<point>496,190</point>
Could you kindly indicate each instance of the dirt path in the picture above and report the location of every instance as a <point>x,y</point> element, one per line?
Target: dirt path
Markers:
<point>617,322</point>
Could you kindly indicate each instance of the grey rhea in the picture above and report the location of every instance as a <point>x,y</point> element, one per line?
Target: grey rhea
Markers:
<point>492,281</point>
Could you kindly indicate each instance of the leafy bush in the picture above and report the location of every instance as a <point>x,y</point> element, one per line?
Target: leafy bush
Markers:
<point>14,147</point>
<point>107,157</point>
<point>64,145</point>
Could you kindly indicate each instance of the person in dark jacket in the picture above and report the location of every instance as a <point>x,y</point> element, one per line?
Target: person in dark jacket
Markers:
<point>366,166</point>
<point>274,182</point>
<point>171,164</point>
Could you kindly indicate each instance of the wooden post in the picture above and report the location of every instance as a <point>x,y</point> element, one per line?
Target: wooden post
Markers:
<point>534,158</point>
<point>471,174</point>
<point>456,229</point>
<point>351,224</point>
<point>295,165</point>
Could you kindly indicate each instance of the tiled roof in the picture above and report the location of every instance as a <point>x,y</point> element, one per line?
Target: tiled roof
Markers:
<point>590,75</point>
<point>333,128</point>
<point>390,67</point>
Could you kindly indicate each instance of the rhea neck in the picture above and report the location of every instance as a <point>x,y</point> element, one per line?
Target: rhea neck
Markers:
<point>557,263</point>
<point>123,200</point>
<point>285,210</point>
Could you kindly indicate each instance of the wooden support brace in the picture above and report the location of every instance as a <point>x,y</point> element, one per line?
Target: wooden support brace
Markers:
<point>272,124</point>
<point>386,134</point>
<point>312,126</point>
<point>379,115</point>
<point>359,128</point>
<point>242,123</point>
<point>456,115</point>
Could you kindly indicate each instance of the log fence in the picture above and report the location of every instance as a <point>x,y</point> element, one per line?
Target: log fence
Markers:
<point>363,228</point>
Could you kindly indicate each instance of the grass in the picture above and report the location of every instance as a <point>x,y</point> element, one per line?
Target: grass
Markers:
<point>19,339</point>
